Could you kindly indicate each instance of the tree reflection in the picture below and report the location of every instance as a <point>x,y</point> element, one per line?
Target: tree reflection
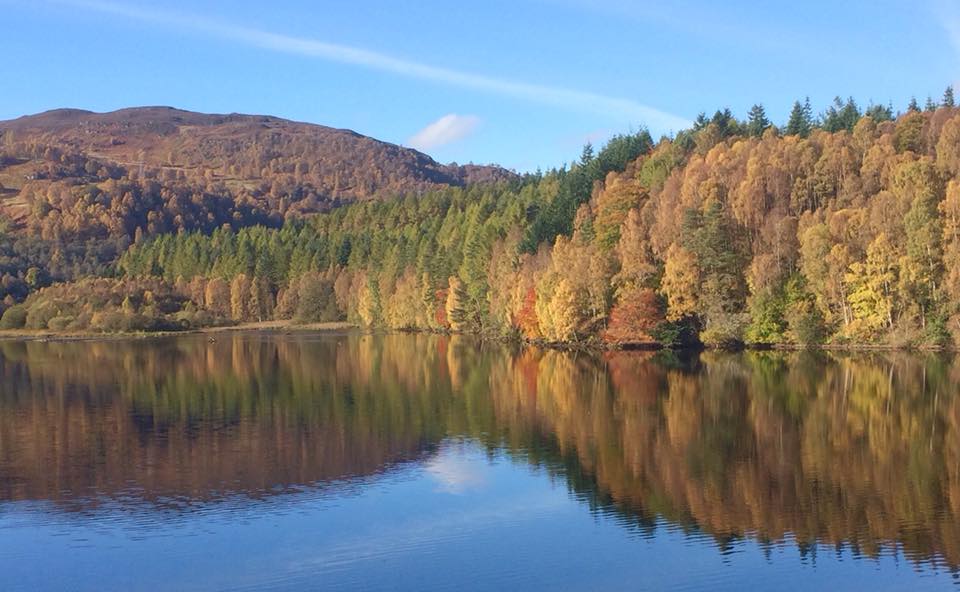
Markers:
<point>854,450</point>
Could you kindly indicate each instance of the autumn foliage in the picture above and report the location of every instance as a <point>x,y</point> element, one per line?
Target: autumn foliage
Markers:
<point>635,317</point>
<point>841,228</point>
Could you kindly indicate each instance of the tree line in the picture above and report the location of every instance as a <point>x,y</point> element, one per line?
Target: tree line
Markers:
<point>838,228</point>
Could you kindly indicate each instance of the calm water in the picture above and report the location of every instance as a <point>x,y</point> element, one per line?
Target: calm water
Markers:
<point>349,462</point>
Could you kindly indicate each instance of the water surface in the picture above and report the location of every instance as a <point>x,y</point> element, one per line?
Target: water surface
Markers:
<point>412,462</point>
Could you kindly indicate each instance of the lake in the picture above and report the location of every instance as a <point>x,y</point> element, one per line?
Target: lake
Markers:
<point>421,462</point>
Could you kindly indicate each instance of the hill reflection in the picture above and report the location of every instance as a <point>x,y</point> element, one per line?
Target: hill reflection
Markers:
<point>850,450</point>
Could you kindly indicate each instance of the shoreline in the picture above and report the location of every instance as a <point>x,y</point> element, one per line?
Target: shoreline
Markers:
<point>289,327</point>
<point>255,327</point>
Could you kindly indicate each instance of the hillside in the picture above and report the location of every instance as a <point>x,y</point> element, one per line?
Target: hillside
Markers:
<point>842,229</point>
<point>269,165</point>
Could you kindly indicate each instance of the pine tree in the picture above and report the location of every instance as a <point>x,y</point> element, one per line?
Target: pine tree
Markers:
<point>757,121</point>
<point>700,122</point>
<point>800,122</point>
<point>841,116</point>
<point>726,123</point>
<point>586,156</point>
<point>930,105</point>
<point>913,107</point>
<point>879,113</point>
<point>948,97</point>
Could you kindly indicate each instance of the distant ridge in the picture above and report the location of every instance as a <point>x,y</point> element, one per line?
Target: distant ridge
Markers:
<point>245,151</point>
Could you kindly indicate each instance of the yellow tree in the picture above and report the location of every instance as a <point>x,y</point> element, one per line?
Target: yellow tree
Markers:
<point>565,311</point>
<point>368,303</point>
<point>217,297</point>
<point>620,196</point>
<point>637,264</point>
<point>950,209</point>
<point>948,148</point>
<point>680,283</point>
<point>240,298</point>
<point>454,304</point>
<point>871,289</point>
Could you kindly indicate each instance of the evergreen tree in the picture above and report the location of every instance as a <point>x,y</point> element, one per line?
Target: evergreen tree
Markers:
<point>879,113</point>
<point>726,123</point>
<point>700,122</point>
<point>800,123</point>
<point>948,97</point>
<point>841,116</point>
<point>757,121</point>
<point>913,107</point>
<point>586,155</point>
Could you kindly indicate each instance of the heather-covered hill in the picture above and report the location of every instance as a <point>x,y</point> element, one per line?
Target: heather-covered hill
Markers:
<point>272,165</point>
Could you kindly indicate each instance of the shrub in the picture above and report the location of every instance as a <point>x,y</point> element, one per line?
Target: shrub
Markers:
<point>81,322</point>
<point>61,323</point>
<point>40,314</point>
<point>14,317</point>
<point>112,321</point>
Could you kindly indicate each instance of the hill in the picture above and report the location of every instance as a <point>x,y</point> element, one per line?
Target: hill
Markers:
<point>266,166</point>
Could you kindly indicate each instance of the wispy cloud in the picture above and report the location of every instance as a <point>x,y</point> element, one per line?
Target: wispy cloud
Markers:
<point>449,128</point>
<point>624,109</point>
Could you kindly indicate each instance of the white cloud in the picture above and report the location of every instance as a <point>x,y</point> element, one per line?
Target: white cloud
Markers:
<point>449,128</point>
<point>456,472</point>
<point>626,109</point>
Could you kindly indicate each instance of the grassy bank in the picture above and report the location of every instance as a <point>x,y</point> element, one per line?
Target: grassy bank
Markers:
<point>264,326</point>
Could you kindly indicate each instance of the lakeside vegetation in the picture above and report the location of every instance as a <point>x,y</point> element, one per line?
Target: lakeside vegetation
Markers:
<point>837,229</point>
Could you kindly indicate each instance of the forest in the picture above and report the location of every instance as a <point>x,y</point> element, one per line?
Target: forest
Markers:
<point>841,228</point>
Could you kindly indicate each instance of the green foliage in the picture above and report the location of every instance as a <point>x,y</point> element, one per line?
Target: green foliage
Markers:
<point>757,121</point>
<point>767,321</point>
<point>801,120</point>
<point>576,184</point>
<point>660,163</point>
<point>804,321</point>
<point>716,242</point>
<point>317,301</point>
<point>879,113</point>
<point>14,317</point>
<point>841,116</point>
<point>680,333</point>
<point>40,314</point>
<point>909,134</point>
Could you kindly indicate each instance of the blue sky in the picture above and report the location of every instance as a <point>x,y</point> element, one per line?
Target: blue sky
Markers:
<point>523,83</point>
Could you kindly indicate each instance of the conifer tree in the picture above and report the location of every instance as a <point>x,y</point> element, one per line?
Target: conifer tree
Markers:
<point>700,122</point>
<point>800,122</point>
<point>757,121</point>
